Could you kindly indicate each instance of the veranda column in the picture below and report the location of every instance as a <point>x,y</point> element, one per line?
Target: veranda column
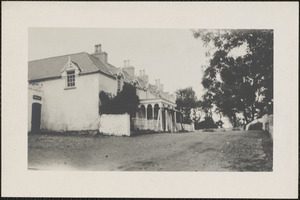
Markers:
<point>160,117</point>
<point>166,119</point>
<point>152,111</point>
<point>175,119</point>
<point>170,120</point>
<point>146,117</point>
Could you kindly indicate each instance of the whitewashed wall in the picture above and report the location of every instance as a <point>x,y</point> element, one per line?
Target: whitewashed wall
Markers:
<point>107,84</point>
<point>270,125</point>
<point>118,125</point>
<point>188,127</point>
<point>74,109</point>
<point>33,90</point>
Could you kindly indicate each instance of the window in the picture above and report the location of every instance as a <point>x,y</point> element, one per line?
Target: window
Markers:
<point>71,79</point>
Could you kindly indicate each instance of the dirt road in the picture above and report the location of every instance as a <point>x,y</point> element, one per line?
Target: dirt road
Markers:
<point>196,151</point>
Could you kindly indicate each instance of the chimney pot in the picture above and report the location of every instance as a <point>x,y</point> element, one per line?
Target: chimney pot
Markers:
<point>99,48</point>
<point>96,48</point>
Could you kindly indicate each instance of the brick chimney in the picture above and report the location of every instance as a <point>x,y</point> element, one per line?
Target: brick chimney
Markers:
<point>159,85</point>
<point>101,55</point>
<point>162,87</point>
<point>144,76</point>
<point>128,68</point>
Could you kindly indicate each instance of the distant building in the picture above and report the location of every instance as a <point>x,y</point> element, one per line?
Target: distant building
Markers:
<point>63,93</point>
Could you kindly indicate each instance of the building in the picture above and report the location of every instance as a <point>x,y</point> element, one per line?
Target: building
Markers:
<point>63,93</point>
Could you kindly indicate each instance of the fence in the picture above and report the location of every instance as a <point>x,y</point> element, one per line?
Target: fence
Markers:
<point>154,125</point>
<point>269,125</point>
<point>144,124</point>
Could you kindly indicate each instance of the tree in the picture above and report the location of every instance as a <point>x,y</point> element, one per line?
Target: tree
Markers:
<point>239,83</point>
<point>186,100</point>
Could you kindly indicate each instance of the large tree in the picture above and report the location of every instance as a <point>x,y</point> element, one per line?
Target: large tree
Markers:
<point>239,83</point>
<point>186,100</point>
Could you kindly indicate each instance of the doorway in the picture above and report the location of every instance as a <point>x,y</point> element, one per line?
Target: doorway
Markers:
<point>36,117</point>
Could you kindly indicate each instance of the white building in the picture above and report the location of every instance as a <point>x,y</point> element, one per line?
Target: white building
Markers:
<point>63,93</point>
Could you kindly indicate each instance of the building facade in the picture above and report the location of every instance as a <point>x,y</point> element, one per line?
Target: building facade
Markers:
<point>63,94</point>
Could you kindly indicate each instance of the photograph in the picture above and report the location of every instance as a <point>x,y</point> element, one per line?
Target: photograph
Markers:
<point>150,99</point>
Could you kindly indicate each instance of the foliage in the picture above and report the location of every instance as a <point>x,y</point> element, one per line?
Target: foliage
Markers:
<point>256,126</point>
<point>220,124</point>
<point>186,101</point>
<point>196,114</point>
<point>238,83</point>
<point>206,124</point>
<point>126,101</point>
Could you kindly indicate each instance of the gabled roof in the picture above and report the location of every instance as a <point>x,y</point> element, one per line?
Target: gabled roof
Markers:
<point>142,83</point>
<point>128,78</point>
<point>153,88</point>
<point>112,69</point>
<point>51,67</point>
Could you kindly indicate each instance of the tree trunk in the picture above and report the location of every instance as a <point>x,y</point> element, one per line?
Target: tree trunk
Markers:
<point>252,112</point>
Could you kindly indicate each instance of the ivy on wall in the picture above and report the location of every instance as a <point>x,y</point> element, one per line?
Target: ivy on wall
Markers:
<point>126,101</point>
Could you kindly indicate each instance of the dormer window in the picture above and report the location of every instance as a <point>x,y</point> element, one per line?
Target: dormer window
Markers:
<point>68,72</point>
<point>71,78</point>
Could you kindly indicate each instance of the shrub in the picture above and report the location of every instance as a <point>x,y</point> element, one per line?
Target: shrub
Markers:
<point>256,126</point>
<point>125,101</point>
<point>208,123</point>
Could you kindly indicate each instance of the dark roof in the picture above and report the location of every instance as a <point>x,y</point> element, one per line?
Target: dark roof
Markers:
<point>51,67</point>
<point>112,69</point>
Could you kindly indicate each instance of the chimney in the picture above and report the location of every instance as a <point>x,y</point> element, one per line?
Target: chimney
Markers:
<point>162,87</point>
<point>157,83</point>
<point>129,69</point>
<point>143,76</point>
<point>99,48</point>
<point>101,55</point>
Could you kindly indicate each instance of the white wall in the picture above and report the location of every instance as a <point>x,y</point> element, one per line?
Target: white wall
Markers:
<point>33,90</point>
<point>118,125</point>
<point>74,109</point>
<point>107,84</point>
<point>270,125</point>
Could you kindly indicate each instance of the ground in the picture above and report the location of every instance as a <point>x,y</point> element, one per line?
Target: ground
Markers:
<point>193,151</point>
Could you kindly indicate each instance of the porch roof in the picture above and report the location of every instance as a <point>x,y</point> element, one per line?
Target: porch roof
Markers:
<point>158,101</point>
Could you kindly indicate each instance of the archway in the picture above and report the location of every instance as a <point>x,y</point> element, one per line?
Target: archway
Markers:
<point>163,119</point>
<point>143,111</point>
<point>149,111</point>
<point>156,109</point>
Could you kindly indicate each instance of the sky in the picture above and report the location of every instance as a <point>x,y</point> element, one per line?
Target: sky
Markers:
<point>172,55</point>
